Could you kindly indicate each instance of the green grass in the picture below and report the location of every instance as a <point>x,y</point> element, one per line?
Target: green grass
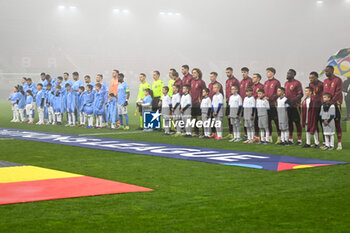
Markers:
<point>189,196</point>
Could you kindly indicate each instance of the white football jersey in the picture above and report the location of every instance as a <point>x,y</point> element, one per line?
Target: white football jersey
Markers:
<point>282,113</point>
<point>235,101</point>
<point>249,102</point>
<point>206,103</point>
<point>166,101</point>
<point>248,106</point>
<point>218,100</point>
<point>262,105</point>
<point>185,100</point>
<point>176,99</point>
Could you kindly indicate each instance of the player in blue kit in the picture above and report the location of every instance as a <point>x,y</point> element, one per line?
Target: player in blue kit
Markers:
<point>20,100</point>
<point>123,98</point>
<point>111,109</point>
<point>70,104</point>
<point>50,92</point>
<point>99,105</point>
<point>29,106</point>
<point>13,99</point>
<point>58,104</point>
<point>88,102</point>
<point>40,101</point>
<point>81,95</point>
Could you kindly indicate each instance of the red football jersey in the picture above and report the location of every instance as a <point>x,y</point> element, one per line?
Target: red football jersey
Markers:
<point>294,92</point>
<point>197,87</point>
<point>211,89</point>
<point>334,86</point>
<point>270,88</point>
<point>247,82</point>
<point>232,81</point>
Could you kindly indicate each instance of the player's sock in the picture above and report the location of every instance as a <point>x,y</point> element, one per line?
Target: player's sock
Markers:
<point>262,134</point>
<point>308,138</point>
<point>100,117</point>
<point>73,118</point>
<point>121,120</point>
<point>267,133</point>
<point>69,119</point>
<point>286,136</point>
<point>316,138</point>
<point>331,144</point>
<point>126,119</point>
<point>327,140</point>
<point>21,114</point>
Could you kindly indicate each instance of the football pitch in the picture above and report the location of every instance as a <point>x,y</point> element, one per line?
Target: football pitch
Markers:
<point>188,196</point>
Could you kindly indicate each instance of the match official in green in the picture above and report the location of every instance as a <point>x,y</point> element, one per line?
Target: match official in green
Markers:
<point>142,87</point>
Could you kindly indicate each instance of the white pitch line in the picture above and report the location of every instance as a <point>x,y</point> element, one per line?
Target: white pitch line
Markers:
<point>5,139</point>
<point>116,133</point>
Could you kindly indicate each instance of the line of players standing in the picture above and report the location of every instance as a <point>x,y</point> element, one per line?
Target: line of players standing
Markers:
<point>323,98</point>
<point>87,101</point>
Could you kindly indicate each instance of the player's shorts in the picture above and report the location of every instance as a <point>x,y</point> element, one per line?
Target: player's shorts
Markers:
<point>196,111</point>
<point>283,126</point>
<point>263,122</point>
<point>166,113</point>
<point>248,123</point>
<point>235,121</point>
<point>273,113</point>
<point>294,114</point>
<point>155,102</point>
<point>227,110</point>
<point>122,109</point>
<point>337,112</point>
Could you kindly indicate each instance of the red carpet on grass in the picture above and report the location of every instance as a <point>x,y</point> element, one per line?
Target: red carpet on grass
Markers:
<point>20,183</point>
<point>61,188</point>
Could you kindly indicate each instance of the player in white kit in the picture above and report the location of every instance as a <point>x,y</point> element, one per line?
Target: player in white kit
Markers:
<point>282,113</point>
<point>218,110</point>
<point>236,106</point>
<point>166,107</point>
<point>205,111</point>
<point>262,107</point>
<point>249,109</point>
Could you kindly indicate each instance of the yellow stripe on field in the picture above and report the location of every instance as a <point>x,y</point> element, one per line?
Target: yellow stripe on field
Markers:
<point>31,173</point>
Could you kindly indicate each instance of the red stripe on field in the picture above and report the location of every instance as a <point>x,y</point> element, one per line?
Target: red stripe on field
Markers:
<point>82,186</point>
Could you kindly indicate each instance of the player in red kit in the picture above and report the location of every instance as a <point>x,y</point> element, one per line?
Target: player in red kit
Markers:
<point>178,81</point>
<point>270,87</point>
<point>230,82</point>
<point>197,86</point>
<point>256,87</point>
<point>213,80</point>
<point>186,80</point>
<point>334,86</point>
<point>294,93</point>
<point>245,82</point>
<point>317,87</point>
<point>310,115</point>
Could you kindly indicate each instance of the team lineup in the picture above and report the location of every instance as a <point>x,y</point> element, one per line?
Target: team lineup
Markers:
<point>188,99</point>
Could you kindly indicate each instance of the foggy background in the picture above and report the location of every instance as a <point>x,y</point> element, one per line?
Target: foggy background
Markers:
<point>141,36</point>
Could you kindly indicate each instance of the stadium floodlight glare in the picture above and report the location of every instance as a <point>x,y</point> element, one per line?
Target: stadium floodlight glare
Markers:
<point>319,2</point>
<point>61,7</point>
